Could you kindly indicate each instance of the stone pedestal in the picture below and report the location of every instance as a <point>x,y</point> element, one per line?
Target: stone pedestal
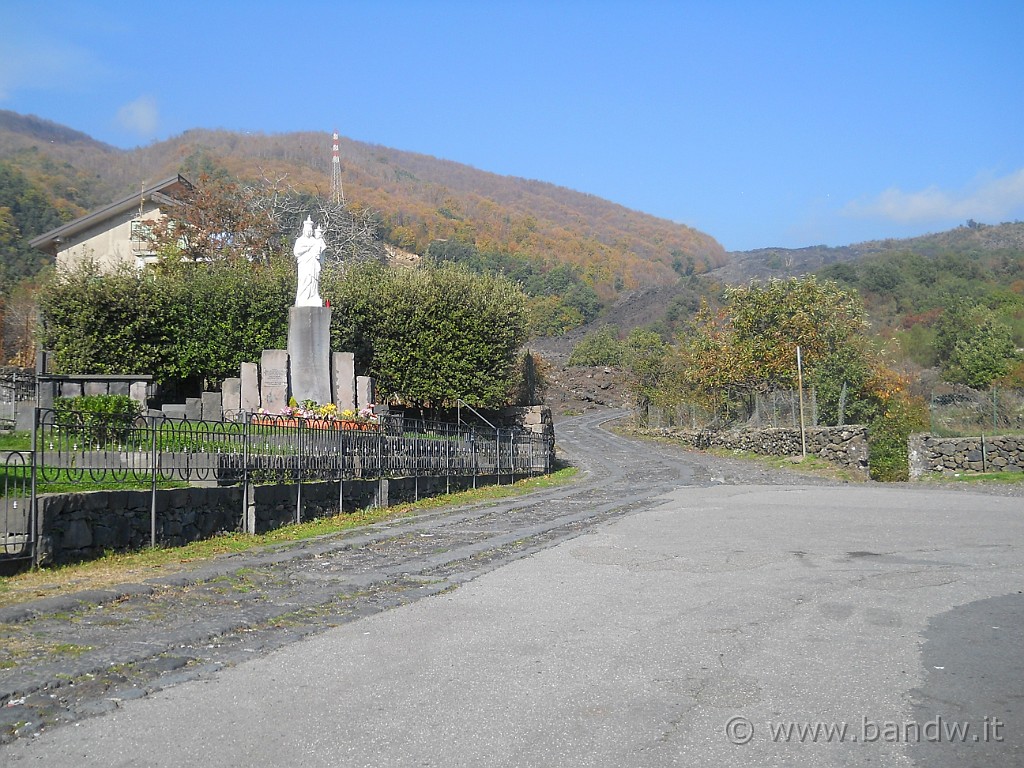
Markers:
<point>273,380</point>
<point>309,352</point>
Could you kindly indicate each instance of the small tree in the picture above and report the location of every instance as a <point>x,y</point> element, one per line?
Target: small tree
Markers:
<point>644,359</point>
<point>216,220</point>
<point>982,351</point>
<point>600,347</point>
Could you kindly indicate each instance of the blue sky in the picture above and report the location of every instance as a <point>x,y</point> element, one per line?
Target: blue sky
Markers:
<point>761,123</point>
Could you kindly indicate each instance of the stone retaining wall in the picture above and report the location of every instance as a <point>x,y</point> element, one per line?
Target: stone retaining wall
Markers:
<point>929,453</point>
<point>81,526</point>
<point>844,446</point>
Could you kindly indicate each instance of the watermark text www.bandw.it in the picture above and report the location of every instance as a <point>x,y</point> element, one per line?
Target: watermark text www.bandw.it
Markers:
<point>741,730</point>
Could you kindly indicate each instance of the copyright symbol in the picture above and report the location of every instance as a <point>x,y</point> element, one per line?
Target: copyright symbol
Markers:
<point>739,730</point>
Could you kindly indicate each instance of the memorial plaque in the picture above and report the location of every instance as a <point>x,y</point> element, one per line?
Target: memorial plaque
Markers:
<point>344,380</point>
<point>139,392</point>
<point>174,411</point>
<point>274,380</point>
<point>194,408</point>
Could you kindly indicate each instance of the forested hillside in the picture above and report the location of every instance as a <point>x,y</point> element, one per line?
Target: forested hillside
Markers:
<point>956,294</point>
<point>581,259</point>
<point>419,199</point>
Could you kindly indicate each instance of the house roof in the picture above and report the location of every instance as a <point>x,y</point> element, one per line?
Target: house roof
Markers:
<point>164,191</point>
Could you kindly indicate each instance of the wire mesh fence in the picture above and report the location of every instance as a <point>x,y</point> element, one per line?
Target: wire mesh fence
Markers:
<point>755,410</point>
<point>957,410</point>
<point>954,410</point>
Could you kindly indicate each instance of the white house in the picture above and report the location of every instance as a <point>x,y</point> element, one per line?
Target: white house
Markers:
<point>115,234</point>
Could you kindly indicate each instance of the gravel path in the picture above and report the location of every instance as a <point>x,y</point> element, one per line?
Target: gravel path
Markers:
<point>86,654</point>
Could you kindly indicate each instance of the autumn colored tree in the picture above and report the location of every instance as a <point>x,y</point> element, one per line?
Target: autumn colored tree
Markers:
<point>216,220</point>
<point>223,220</point>
<point>750,345</point>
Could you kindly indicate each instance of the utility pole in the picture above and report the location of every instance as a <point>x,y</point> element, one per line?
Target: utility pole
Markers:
<point>800,384</point>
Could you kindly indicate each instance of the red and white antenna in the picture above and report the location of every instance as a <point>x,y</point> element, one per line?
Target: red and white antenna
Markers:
<point>337,191</point>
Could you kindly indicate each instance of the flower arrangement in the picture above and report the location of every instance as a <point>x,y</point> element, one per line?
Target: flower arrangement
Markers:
<point>310,411</point>
<point>364,415</point>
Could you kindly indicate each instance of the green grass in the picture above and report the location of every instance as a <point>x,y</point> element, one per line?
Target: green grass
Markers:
<point>1003,478</point>
<point>107,485</point>
<point>810,464</point>
<point>16,481</point>
<point>119,568</point>
<point>16,441</point>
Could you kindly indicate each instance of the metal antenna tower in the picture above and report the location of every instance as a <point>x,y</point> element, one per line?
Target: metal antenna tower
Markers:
<point>337,190</point>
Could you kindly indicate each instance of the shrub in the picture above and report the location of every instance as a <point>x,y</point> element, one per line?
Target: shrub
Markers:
<point>887,438</point>
<point>602,347</point>
<point>97,419</point>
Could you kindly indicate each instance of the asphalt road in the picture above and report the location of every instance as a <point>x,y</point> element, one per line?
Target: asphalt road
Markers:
<point>674,610</point>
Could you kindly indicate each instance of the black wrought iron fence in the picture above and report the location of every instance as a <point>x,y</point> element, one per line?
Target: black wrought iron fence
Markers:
<point>16,505</point>
<point>82,449</point>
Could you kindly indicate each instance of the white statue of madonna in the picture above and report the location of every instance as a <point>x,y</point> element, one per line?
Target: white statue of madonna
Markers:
<point>308,250</point>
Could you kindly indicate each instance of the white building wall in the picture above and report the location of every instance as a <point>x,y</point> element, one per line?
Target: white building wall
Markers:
<point>109,243</point>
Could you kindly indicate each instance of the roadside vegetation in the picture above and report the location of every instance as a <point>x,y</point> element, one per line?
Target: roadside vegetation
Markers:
<point>725,357</point>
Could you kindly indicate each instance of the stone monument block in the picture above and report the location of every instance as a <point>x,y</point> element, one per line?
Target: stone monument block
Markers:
<point>47,392</point>
<point>193,408</point>
<point>139,392</point>
<point>231,397</point>
<point>24,416</point>
<point>250,388</point>
<point>213,408</point>
<point>70,388</point>
<point>309,352</point>
<point>274,380</point>
<point>95,388</point>
<point>174,411</point>
<point>119,388</point>
<point>344,380</point>
<point>366,391</point>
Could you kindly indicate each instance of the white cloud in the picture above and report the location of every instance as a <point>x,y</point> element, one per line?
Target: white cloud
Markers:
<point>140,117</point>
<point>989,199</point>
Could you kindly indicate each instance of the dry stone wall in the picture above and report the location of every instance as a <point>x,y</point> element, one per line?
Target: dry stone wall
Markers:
<point>949,455</point>
<point>844,446</point>
<point>81,526</point>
